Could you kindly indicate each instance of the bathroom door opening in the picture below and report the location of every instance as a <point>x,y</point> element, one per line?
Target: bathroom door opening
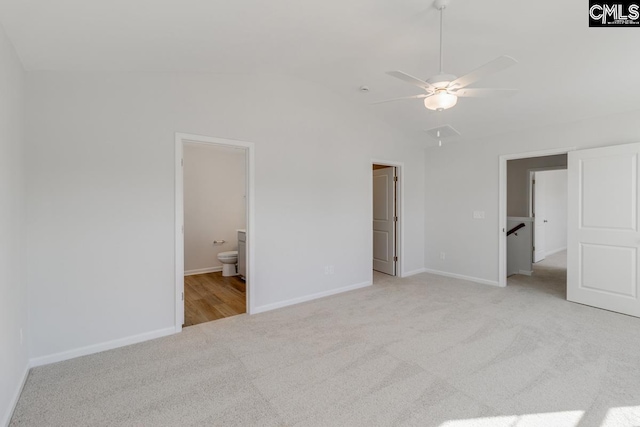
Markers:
<point>214,223</point>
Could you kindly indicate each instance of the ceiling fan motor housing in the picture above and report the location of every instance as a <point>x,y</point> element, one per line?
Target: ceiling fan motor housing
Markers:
<point>441,80</point>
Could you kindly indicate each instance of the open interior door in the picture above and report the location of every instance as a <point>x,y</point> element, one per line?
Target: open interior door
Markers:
<point>384,220</point>
<point>539,217</point>
<point>603,237</point>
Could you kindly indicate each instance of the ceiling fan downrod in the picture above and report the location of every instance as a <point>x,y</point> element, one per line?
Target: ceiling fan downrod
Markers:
<point>441,5</point>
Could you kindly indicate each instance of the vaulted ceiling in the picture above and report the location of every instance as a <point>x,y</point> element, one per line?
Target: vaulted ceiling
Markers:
<point>566,72</point>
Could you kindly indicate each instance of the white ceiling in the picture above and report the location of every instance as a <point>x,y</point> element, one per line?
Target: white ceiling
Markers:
<point>566,70</point>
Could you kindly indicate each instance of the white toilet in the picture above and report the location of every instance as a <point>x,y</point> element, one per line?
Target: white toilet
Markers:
<point>228,260</point>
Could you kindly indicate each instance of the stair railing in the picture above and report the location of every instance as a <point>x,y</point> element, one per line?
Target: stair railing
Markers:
<point>516,228</point>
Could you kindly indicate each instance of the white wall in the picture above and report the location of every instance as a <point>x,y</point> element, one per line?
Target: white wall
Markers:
<point>518,195</point>
<point>13,285</point>
<point>461,178</point>
<point>101,194</point>
<point>555,195</point>
<point>214,203</point>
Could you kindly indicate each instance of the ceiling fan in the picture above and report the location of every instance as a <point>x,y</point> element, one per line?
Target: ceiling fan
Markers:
<point>443,90</point>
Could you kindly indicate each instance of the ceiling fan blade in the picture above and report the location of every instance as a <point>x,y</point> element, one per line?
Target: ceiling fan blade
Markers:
<point>494,66</point>
<point>484,93</point>
<point>423,95</point>
<point>412,80</point>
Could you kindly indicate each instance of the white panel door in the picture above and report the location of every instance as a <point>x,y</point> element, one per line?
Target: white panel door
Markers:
<point>384,225</point>
<point>603,238</point>
<point>539,217</point>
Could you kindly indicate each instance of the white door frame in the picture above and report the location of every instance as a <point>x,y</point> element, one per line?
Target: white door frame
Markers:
<point>399,212</point>
<point>502,203</point>
<point>181,138</point>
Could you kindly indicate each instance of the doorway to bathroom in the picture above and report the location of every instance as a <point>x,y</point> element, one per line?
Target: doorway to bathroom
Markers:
<point>213,216</point>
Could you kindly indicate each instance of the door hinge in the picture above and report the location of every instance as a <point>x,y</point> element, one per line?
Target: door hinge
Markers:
<point>395,178</point>
<point>183,229</point>
<point>395,218</point>
<point>395,258</point>
<point>181,162</point>
<point>183,296</point>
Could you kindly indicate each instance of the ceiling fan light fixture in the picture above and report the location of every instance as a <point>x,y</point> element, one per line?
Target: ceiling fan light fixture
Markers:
<point>440,101</point>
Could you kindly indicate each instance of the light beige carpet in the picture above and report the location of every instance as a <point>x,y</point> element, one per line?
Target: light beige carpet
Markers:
<point>423,351</point>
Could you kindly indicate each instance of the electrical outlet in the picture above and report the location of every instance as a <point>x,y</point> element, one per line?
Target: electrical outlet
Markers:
<point>331,271</point>
<point>21,337</point>
<point>328,270</point>
<point>443,255</point>
<point>478,214</point>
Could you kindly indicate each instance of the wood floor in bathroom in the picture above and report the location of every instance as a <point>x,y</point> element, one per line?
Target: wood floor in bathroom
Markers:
<point>210,297</point>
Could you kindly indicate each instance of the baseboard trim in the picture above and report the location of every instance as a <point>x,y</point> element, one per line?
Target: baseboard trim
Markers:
<point>294,301</point>
<point>97,348</point>
<point>555,251</point>
<point>16,396</point>
<point>414,272</point>
<point>463,277</point>
<point>202,271</point>
<point>526,272</point>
